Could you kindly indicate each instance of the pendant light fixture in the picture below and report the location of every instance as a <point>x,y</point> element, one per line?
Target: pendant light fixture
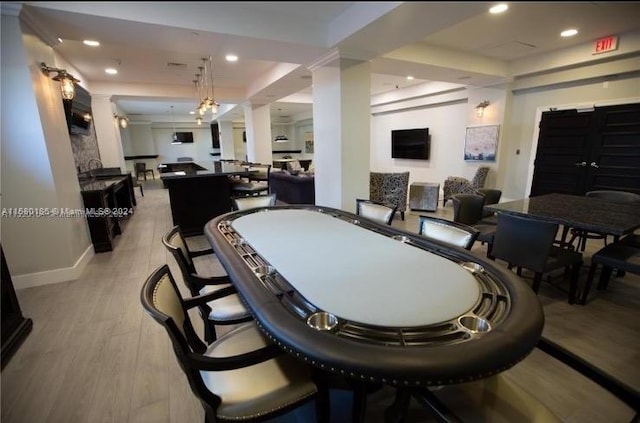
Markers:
<point>195,84</point>
<point>207,93</point>
<point>175,134</point>
<point>202,107</point>
<point>282,137</point>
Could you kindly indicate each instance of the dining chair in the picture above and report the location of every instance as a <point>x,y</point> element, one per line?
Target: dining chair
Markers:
<point>529,243</point>
<point>256,182</point>
<point>141,168</point>
<point>621,255</point>
<point>253,201</point>
<point>468,210</point>
<point>375,210</point>
<point>137,184</point>
<point>227,308</point>
<point>452,233</point>
<point>631,239</point>
<point>241,376</point>
<point>622,197</point>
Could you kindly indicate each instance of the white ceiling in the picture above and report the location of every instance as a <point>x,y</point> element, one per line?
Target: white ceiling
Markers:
<point>159,45</point>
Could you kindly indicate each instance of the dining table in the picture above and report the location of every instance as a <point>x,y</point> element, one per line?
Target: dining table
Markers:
<point>373,303</point>
<point>580,212</point>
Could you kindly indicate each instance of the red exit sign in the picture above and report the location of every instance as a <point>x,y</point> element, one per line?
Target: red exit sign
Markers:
<point>606,44</point>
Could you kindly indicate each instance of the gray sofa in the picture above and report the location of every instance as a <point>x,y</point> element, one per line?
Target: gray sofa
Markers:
<point>293,189</point>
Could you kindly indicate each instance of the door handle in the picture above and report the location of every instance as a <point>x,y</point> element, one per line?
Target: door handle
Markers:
<point>594,164</point>
<point>581,164</point>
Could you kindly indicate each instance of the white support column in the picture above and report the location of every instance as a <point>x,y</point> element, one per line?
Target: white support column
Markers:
<point>341,126</point>
<point>227,148</point>
<point>258,126</point>
<point>107,132</point>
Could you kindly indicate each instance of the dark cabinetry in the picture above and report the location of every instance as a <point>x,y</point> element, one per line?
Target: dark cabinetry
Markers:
<point>107,203</point>
<point>15,327</point>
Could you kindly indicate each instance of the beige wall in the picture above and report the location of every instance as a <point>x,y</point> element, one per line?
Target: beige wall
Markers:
<point>38,170</point>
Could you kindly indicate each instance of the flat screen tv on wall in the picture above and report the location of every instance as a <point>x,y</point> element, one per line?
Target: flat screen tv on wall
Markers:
<point>78,112</point>
<point>410,144</point>
<point>183,137</point>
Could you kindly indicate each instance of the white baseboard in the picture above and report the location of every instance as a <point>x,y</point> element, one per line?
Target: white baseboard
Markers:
<point>54,276</point>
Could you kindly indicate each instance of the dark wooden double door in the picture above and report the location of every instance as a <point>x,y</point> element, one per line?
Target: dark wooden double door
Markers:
<point>586,150</point>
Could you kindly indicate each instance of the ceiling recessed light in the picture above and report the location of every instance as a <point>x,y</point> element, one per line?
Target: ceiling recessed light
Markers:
<point>91,43</point>
<point>499,8</point>
<point>569,32</point>
<point>231,58</point>
<point>111,71</point>
<point>410,78</point>
<point>192,112</point>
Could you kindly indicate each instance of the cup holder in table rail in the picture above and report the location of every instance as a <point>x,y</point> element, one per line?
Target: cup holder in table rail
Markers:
<point>263,271</point>
<point>238,241</point>
<point>402,238</point>
<point>472,267</point>
<point>474,324</point>
<point>323,321</point>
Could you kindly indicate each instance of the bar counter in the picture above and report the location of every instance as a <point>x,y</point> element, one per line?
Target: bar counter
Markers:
<point>174,170</point>
<point>198,192</point>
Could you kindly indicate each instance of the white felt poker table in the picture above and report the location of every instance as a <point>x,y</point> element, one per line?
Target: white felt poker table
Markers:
<point>372,302</point>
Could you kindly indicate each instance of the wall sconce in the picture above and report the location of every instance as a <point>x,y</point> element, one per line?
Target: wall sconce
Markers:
<point>66,80</point>
<point>123,121</point>
<point>199,120</point>
<point>480,107</point>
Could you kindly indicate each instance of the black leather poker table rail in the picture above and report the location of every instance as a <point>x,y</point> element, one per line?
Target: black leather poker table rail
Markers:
<point>436,353</point>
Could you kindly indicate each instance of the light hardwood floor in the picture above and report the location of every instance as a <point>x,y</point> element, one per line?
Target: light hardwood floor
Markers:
<point>94,356</point>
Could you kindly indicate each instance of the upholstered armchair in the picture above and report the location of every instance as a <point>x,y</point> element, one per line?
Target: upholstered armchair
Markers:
<point>458,185</point>
<point>390,188</point>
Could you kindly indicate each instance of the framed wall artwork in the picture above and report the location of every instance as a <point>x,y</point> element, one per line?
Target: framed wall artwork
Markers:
<point>308,142</point>
<point>481,143</point>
